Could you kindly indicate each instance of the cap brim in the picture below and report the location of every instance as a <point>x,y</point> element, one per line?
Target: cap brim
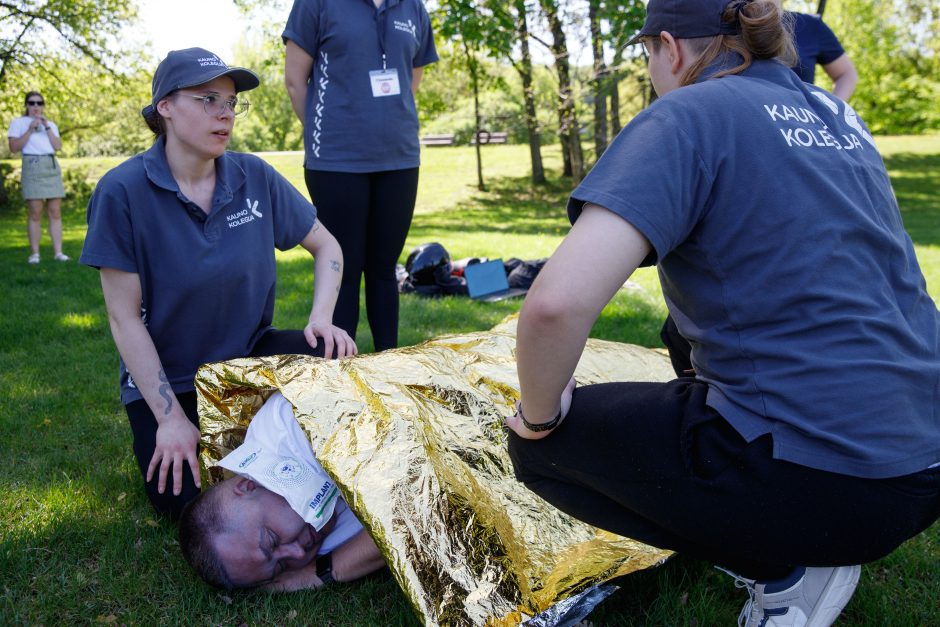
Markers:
<point>244,79</point>
<point>636,39</point>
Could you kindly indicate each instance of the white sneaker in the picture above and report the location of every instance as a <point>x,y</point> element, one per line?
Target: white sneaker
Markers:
<point>34,258</point>
<point>61,257</point>
<point>812,597</point>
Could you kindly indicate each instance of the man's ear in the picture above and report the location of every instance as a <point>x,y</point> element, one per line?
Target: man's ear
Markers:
<point>243,486</point>
<point>677,56</point>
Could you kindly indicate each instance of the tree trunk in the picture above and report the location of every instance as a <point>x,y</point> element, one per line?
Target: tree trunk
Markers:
<point>615,125</point>
<point>524,67</point>
<point>472,64</point>
<point>613,85</point>
<point>567,117</point>
<point>600,82</point>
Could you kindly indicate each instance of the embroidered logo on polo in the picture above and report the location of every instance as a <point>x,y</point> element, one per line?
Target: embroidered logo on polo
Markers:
<point>249,214</point>
<point>407,27</point>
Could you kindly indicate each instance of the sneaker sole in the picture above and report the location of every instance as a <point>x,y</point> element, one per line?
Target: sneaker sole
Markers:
<point>840,587</point>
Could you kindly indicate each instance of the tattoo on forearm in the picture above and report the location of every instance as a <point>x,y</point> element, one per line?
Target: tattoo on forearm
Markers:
<point>164,390</point>
<point>337,266</point>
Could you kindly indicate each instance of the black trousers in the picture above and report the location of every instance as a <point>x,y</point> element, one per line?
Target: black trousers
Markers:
<point>652,462</point>
<point>369,214</point>
<point>144,424</point>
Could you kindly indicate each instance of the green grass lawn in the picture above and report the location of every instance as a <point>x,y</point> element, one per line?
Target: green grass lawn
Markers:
<point>79,543</point>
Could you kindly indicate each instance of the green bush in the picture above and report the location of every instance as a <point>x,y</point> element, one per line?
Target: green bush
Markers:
<point>78,178</point>
<point>78,184</point>
<point>10,190</point>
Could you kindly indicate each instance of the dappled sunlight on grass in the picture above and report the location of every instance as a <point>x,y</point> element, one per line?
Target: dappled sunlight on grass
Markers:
<point>80,320</point>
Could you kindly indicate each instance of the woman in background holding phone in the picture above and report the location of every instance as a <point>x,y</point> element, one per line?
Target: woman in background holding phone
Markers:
<point>38,139</point>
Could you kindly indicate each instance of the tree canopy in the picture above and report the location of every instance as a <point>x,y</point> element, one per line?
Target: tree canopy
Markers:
<point>33,30</point>
<point>528,83</point>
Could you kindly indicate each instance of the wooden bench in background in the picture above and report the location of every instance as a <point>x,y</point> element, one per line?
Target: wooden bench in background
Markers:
<point>495,137</point>
<point>437,140</point>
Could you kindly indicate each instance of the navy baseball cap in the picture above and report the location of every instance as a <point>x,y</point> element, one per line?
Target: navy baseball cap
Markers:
<point>191,67</point>
<point>685,19</point>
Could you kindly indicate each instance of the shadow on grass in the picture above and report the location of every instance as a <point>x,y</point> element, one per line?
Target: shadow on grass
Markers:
<point>916,182</point>
<point>512,205</point>
<point>420,318</point>
<point>632,317</point>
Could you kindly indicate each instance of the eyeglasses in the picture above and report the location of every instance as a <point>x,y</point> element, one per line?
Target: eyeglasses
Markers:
<point>36,103</point>
<point>214,104</point>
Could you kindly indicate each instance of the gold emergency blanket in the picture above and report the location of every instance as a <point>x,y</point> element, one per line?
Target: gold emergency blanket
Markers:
<point>414,438</point>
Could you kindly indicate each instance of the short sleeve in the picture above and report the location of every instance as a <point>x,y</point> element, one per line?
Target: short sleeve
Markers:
<point>830,48</point>
<point>109,242</point>
<point>18,126</point>
<point>303,26</point>
<point>55,129</point>
<point>427,52</point>
<point>294,215</point>
<point>651,176</point>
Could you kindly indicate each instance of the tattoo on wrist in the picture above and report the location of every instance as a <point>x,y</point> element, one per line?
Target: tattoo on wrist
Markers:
<point>164,390</point>
<point>336,265</point>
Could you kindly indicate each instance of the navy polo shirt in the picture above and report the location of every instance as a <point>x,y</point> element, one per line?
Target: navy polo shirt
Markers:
<point>346,128</point>
<point>207,280</point>
<point>815,43</point>
<point>784,262</point>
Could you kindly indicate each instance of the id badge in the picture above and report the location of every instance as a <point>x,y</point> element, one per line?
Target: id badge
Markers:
<point>385,83</point>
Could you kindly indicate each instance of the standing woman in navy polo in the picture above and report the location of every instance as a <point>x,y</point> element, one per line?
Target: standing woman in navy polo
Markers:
<point>816,43</point>
<point>184,235</point>
<point>352,70</point>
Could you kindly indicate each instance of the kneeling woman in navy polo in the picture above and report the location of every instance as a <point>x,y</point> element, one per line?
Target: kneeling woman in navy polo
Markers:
<point>184,235</point>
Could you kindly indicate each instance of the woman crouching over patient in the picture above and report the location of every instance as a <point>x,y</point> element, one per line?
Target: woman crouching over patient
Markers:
<point>801,437</point>
<point>184,236</point>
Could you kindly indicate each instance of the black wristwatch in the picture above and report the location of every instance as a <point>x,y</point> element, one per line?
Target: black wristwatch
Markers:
<point>325,569</point>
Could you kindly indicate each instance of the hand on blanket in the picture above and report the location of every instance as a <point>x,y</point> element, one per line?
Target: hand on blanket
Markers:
<point>515,423</point>
<point>333,338</point>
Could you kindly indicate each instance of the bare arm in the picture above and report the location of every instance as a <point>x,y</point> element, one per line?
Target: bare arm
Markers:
<point>328,273</point>
<point>844,76</point>
<point>416,75</point>
<point>177,437</point>
<point>298,66</point>
<point>54,139</point>
<point>599,253</point>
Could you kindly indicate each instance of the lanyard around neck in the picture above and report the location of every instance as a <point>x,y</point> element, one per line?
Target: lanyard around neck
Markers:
<point>381,21</point>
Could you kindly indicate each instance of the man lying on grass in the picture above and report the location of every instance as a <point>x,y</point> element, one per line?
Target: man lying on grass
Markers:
<point>280,522</point>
